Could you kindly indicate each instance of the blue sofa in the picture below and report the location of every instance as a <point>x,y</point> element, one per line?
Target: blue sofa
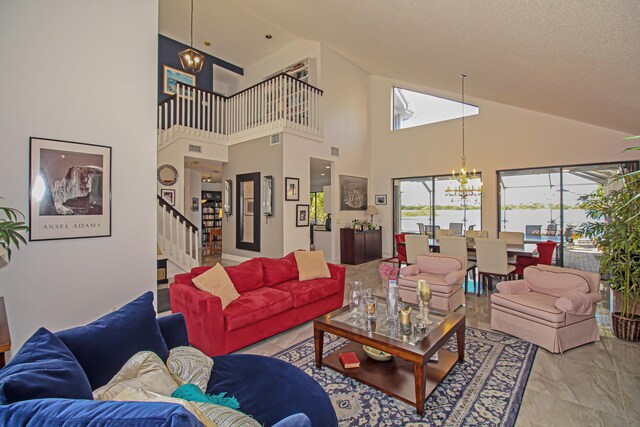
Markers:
<point>49,381</point>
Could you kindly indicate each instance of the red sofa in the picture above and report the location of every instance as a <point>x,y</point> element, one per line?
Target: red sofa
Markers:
<point>272,299</point>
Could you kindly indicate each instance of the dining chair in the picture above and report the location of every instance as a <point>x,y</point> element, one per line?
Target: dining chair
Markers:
<point>545,257</point>
<point>457,228</point>
<point>416,244</point>
<point>421,228</point>
<point>477,234</point>
<point>512,238</point>
<point>430,230</point>
<point>453,245</point>
<point>492,262</point>
<point>401,249</point>
<point>443,232</point>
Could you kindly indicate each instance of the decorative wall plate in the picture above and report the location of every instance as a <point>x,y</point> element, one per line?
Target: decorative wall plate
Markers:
<point>167,175</point>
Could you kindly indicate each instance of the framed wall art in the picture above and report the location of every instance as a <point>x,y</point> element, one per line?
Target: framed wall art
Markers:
<point>70,190</point>
<point>292,188</point>
<point>353,193</point>
<point>172,76</point>
<point>169,196</point>
<point>302,215</point>
<point>381,199</point>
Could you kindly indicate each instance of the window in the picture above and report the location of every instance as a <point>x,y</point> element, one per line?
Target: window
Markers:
<point>412,108</point>
<point>544,203</point>
<point>317,214</point>
<point>423,200</point>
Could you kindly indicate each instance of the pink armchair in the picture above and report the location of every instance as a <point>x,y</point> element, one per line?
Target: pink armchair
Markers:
<point>552,307</point>
<point>445,274</point>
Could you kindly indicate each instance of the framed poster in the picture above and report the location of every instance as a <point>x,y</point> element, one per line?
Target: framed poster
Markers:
<point>302,215</point>
<point>172,76</point>
<point>381,199</point>
<point>70,190</point>
<point>169,196</point>
<point>292,188</point>
<point>353,193</point>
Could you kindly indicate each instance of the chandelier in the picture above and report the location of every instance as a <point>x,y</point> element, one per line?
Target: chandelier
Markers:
<point>190,59</point>
<point>462,187</point>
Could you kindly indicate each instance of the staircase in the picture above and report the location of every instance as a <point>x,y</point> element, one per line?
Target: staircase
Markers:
<point>178,238</point>
<point>278,104</point>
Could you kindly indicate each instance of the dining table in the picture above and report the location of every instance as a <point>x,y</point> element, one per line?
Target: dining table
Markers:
<point>526,249</point>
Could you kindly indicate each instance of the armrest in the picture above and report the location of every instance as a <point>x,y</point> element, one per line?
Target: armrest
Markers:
<point>80,413</point>
<point>579,303</point>
<point>338,272</point>
<point>203,314</point>
<point>512,287</point>
<point>455,277</point>
<point>409,270</point>
<point>174,330</point>
<point>183,278</point>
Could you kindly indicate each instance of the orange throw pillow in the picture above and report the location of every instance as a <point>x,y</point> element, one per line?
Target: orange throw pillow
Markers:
<point>216,281</point>
<point>311,265</point>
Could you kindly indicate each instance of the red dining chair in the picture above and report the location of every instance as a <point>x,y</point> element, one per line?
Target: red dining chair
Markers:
<point>545,256</point>
<point>401,249</point>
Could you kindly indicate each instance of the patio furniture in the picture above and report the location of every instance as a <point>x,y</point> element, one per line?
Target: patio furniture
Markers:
<point>492,262</point>
<point>421,228</point>
<point>552,229</point>
<point>532,231</point>
<point>552,307</point>
<point>458,246</point>
<point>445,274</point>
<point>457,228</point>
<point>415,245</point>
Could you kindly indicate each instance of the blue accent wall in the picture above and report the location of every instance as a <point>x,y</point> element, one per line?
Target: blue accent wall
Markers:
<point>168,50</point>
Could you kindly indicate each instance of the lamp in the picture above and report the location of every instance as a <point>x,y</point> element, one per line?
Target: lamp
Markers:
<point>190,59</point>
<point>372,210</point>
<point>463,189</point>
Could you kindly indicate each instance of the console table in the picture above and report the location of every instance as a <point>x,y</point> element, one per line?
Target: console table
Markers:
<point>357,247</point>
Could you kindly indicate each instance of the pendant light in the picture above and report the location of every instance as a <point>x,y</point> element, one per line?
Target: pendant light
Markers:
<point>190,59</point>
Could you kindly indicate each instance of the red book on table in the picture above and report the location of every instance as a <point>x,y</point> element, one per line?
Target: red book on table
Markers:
<point>349,360</point>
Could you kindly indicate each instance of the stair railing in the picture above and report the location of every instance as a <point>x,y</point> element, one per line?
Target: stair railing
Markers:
<point>178,238</point>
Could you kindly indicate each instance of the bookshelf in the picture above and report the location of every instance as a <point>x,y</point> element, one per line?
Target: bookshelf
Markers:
<point>211,220</point>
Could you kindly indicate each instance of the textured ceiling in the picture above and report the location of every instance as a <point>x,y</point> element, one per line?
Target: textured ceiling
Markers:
<point>578,59</point>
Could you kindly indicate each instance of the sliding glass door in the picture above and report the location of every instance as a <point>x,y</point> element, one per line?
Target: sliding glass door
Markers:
<point>544,203</point>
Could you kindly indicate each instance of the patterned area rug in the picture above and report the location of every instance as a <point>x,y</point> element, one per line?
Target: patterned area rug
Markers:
<point>485,390</point>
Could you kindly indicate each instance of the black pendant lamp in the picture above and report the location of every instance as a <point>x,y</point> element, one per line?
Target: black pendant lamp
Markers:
<point>190,59</point>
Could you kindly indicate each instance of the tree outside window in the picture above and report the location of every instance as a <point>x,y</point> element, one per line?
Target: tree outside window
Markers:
<point>317,213</point>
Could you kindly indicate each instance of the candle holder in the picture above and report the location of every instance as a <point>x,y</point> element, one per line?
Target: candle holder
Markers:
<point>424,296</point>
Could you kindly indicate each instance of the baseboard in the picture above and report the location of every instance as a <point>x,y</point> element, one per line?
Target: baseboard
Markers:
<point>235,258</point>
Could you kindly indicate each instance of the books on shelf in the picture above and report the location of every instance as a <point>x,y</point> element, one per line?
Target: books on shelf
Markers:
<point>349,360</point>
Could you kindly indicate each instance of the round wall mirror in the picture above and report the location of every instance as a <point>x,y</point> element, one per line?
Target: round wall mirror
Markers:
<point>167,175</point>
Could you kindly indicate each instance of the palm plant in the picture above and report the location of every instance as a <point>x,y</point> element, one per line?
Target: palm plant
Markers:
<point>619,237</point>
<point>11,230</point>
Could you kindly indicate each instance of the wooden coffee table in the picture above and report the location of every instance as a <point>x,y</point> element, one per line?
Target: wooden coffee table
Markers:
<point>404,376</point>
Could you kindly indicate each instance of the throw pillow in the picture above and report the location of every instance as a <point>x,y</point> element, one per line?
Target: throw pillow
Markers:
<point>216,281</point>
<point>145,371</point>
<point>43,368</point>
<point>311,265</point>
<point>102,347</point>
<point>188,365</point>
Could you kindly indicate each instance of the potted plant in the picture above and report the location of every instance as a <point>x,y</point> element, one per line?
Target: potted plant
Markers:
<point>616,230</point>
<point>11,230</point>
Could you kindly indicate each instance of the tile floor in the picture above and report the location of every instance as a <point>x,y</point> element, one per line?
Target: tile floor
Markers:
<point>597,384</point>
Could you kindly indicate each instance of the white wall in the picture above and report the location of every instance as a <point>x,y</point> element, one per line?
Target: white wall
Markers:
<point>283,57</point>
<point>58,82</point>
<point>346,118</point>
<point>500,137</point>
<point>192,188</point>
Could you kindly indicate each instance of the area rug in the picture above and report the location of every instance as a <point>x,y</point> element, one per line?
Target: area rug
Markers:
<point>484,390</point>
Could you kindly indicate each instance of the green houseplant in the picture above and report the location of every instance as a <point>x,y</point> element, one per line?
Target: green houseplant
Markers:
<point>616,229</point>
<point>11,229</point>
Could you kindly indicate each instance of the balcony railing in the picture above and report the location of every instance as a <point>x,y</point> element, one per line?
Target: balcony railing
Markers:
<point>279,103</point>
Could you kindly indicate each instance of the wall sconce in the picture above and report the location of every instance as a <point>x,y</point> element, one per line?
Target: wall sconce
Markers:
<point>228,197</point>
<point>268,196</point>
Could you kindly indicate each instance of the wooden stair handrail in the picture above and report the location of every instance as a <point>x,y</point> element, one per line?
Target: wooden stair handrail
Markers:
<point>176,213</point>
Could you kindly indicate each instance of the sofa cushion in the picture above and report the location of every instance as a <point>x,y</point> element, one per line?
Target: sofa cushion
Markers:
<point>143,371</point>
<point>308,291</point>
<point>254,306</point>
<point>81,413</point>
<point>102,347</point>
<point>436,283</point>
<point>558,281</point>
<point>311,265</point>
<point>247,276</point>
<point>43,368</point>
<point>439,263</point>
<point>216,281</point>
<point>534,304</point>
<point>279,270</point>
